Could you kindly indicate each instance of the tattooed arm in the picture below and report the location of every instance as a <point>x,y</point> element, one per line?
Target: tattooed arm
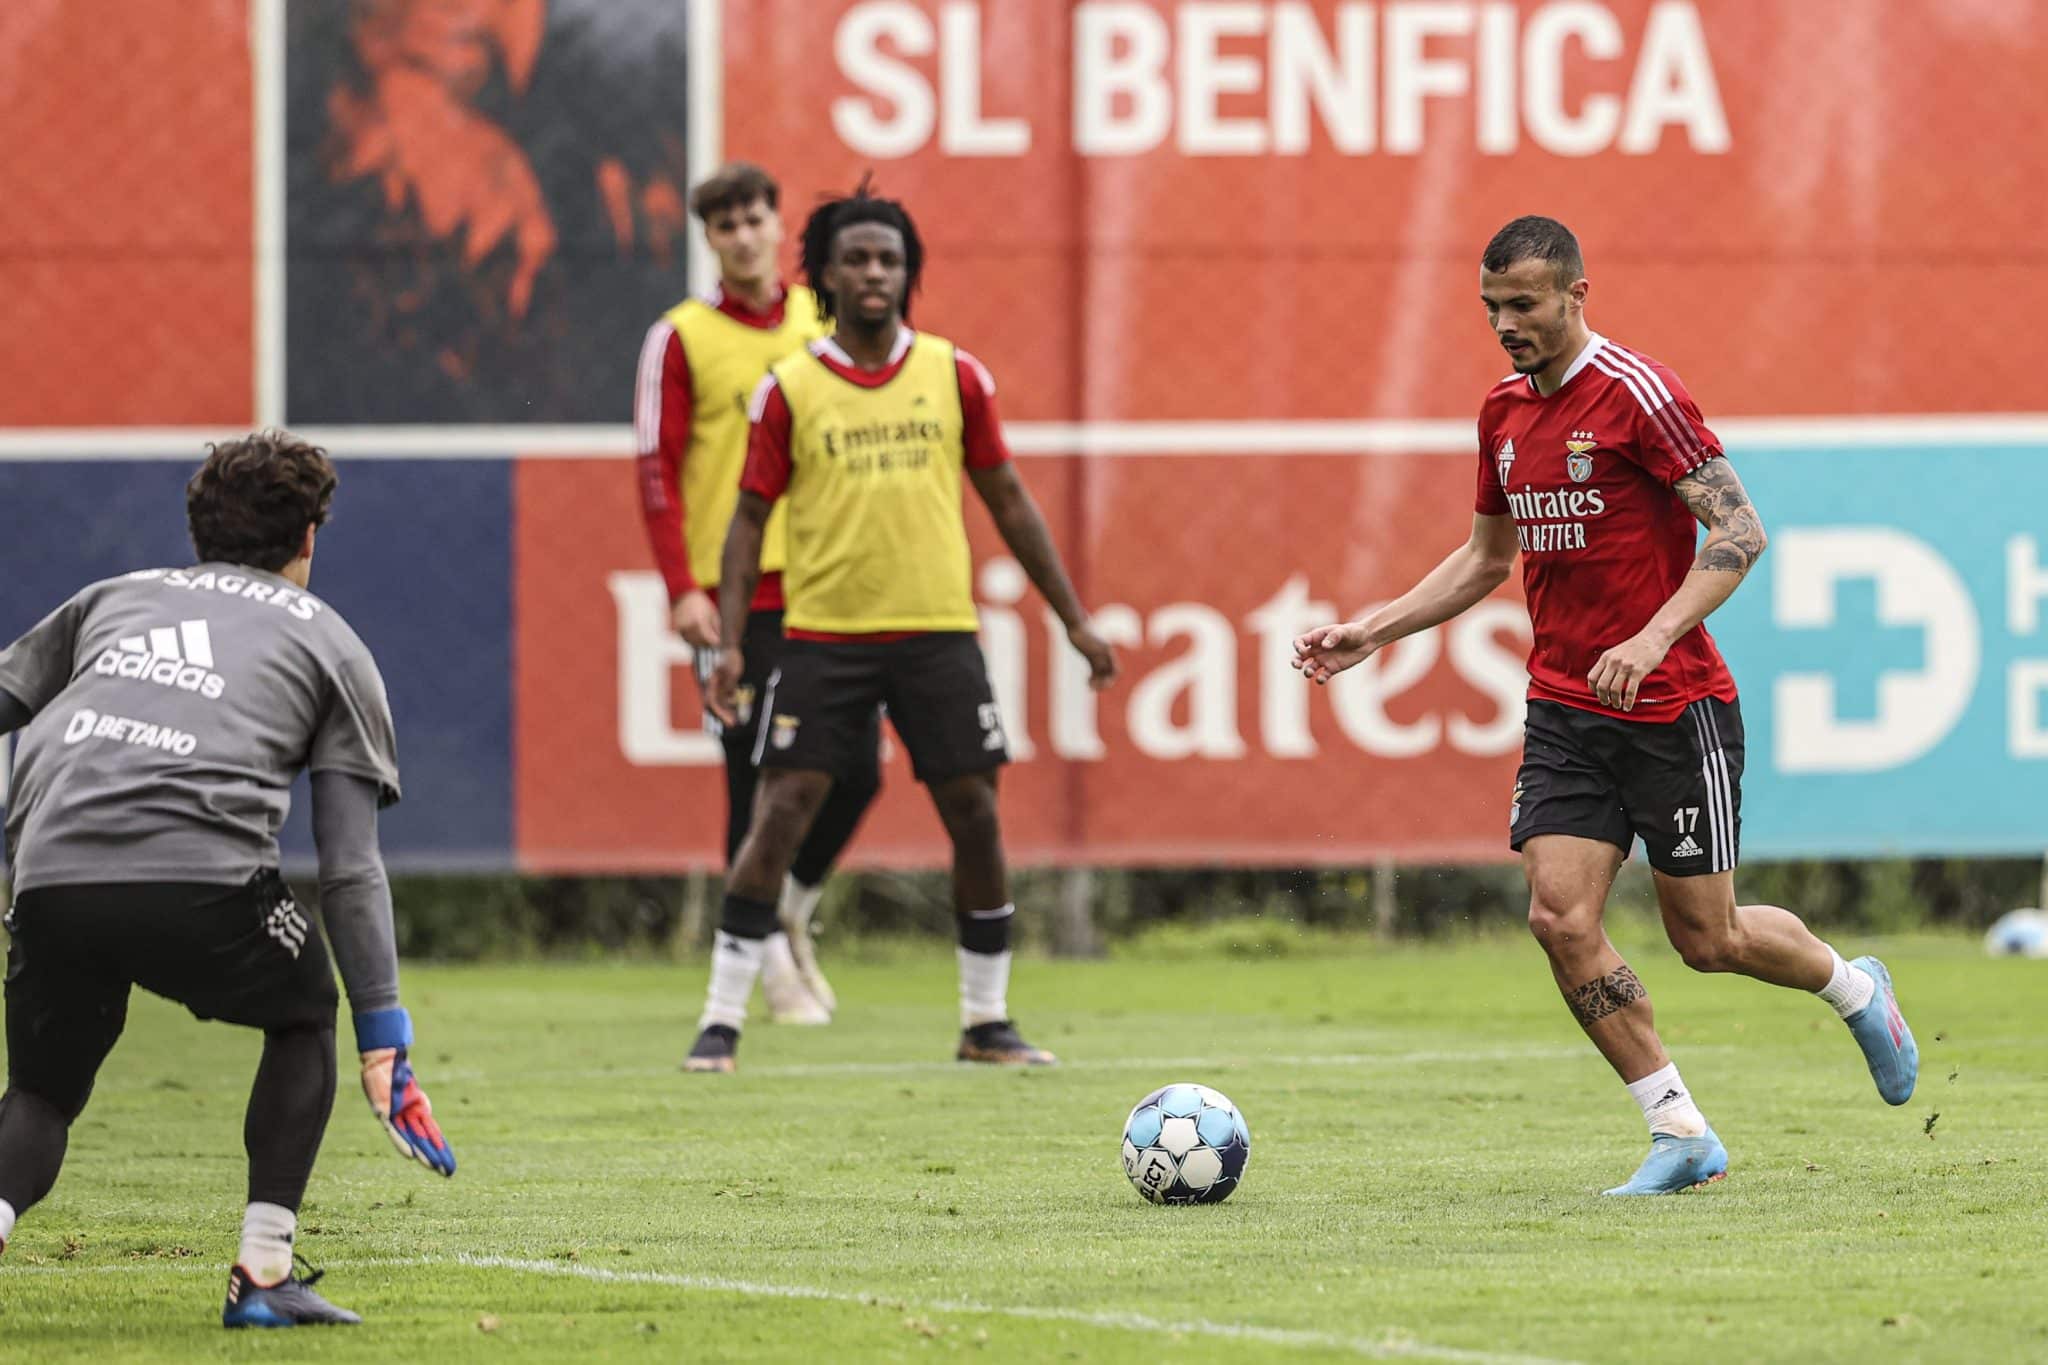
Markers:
<point>1735,534</point>
<point>1735,541</point>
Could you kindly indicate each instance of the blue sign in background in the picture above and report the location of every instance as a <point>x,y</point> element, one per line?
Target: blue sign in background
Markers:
<point>416,557</point>
<point>1964,507</point>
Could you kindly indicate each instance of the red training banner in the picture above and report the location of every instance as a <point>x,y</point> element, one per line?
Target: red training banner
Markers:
<point>1276,209</point>
<point>1211,747</point>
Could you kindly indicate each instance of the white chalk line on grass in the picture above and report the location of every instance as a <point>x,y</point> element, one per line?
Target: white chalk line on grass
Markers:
<point>1385,1348</point>
<point>1242,1062</point>
<point>1339,1059</point>
<point>1189,1066</point>
<point>803,1070</point>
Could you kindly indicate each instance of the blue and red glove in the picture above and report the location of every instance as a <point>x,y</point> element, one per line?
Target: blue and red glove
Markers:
<point>382,1036</point>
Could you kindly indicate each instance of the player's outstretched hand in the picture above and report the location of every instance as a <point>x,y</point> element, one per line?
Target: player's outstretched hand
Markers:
<point>1326,651</point>
<point>1619,674</point>
<point>695,618</point>
<point>1099,653</point>
<point>722,693</point>
<point>402,1107</point>
<point>382,1037</point>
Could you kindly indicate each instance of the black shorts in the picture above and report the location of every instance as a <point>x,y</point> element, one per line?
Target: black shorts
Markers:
<point>822,698</point>
<point>244,954</point>
<point>761,649</point>
<point>1677,784</point>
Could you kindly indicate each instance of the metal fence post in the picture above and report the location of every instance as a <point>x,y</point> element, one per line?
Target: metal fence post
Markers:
<point>1073,921</point>
<point>1386,910</point>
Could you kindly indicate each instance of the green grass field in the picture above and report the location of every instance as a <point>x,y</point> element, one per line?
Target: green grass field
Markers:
<point>1429,1130</point>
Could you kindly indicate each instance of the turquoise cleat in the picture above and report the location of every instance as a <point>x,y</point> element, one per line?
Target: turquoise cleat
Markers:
<point>1881,1032</point>
<point>1676,1164</point>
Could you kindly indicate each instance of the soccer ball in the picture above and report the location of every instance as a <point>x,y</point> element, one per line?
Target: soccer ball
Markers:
<point>2019,933</point>
<point>1185,1144</point>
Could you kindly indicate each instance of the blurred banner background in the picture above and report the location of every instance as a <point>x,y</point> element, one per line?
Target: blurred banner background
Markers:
<point>1220,258</point>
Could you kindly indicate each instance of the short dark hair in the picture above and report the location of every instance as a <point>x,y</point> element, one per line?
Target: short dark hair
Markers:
<point>253,499</point>
<point>734,185</point>
<point>1538,238</point>
<point>833,216</point>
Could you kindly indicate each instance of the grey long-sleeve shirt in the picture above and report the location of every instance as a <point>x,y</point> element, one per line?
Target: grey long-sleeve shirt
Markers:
<point>355,895</point>
<point>164,716</point>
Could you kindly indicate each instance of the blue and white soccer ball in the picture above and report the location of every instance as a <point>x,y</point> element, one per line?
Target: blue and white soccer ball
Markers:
<point>2019,933</point>
<point>1186,1144</point>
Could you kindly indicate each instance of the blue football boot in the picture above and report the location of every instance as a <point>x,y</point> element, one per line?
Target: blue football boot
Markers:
<point>1677,1163</point>
<point>1881,1032</point>
<point>290,1302</point>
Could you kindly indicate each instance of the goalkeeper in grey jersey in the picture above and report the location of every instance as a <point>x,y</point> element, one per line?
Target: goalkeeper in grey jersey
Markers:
<point>163,717</point>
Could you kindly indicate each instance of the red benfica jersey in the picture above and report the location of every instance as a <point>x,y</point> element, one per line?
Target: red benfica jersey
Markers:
<point>1587,474</point>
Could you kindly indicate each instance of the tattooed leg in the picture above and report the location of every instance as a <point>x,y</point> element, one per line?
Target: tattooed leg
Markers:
<point>1605,1000</point>
<point>1568,882</point>
<point>1604,995</point>
<point>1614,1010</point>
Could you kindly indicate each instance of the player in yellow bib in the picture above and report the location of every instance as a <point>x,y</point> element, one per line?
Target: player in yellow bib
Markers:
<point>864,437</point>
<point>698,365</point>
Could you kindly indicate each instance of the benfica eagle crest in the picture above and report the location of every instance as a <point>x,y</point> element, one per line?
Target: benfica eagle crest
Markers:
<point>1578,460</point>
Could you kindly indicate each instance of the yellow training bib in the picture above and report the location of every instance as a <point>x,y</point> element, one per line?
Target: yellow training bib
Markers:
<point>876,539</point>
<point>727,359</point>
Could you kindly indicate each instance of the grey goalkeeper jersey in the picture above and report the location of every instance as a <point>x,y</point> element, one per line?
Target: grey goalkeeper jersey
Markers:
<point>173,708</point>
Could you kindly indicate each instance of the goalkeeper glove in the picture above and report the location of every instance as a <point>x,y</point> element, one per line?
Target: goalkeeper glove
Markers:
<point>382,1037</point>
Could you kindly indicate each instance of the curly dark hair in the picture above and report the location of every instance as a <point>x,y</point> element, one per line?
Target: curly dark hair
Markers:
<point>822,228</point>
<point>253,499</point>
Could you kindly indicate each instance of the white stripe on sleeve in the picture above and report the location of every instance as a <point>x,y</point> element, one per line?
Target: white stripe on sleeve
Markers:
<point>647,387</point>
<point>1658,413</point>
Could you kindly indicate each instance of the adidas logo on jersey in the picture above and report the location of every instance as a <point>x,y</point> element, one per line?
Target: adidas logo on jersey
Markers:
<point>1687,848</point>
<point>179,656</point>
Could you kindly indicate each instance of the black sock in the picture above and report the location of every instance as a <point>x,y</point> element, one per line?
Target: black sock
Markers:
<point>33,1136</point>
<point>984,933</point>
<point>288,1109</point>
<point>745,917</point>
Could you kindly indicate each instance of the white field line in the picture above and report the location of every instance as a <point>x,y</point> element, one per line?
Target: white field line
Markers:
<point>1188,1066</point>
<point>1337,1059</point>
<point>1117,439</point>
<point>1392,1346</point>
<point>1243,1061</point>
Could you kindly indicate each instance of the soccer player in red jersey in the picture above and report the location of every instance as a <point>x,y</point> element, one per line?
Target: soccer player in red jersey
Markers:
<point>1594,463</point>
<point>699,363</point>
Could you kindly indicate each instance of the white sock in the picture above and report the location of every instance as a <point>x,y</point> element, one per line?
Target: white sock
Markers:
<point>984,987</point>
<point>6,1223</point>
<point>798,904</point>
<point>735,962</point>
<point>267,1242</point>
<point>778,963</point>
<point>1848,990</point>
<point>1666,1104</point>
